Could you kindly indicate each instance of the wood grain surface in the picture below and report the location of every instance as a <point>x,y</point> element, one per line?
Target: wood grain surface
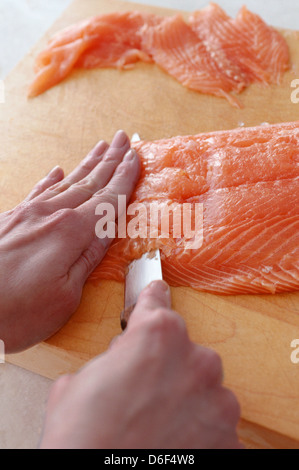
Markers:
<point>252,333</point>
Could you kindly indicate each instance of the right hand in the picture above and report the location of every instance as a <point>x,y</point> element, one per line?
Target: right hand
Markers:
<point>152,389</point>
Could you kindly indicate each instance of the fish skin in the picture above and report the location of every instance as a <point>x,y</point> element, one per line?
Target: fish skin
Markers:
<point>212,54</point>
<point>248,182</point>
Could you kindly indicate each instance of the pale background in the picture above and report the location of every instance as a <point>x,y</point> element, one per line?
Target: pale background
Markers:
<point>22,23</point>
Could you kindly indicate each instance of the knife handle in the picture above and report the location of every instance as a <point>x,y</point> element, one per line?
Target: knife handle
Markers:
<point>125,315</point>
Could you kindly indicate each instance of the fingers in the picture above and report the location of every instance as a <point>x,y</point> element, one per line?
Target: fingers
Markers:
<point>88,164</point>
<point>106,200</point>
<point>75,191</point>
<point>154,297</point>
<point>55,176</point>
<point>89,260</point>
<point>208,366</point>
<point>95,240</point>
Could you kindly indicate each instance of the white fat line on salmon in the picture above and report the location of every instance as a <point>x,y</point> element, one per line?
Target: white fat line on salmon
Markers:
<point>295,93</point>
<point>2,352</point>
<point>2,92</point>
<point>183,222</point>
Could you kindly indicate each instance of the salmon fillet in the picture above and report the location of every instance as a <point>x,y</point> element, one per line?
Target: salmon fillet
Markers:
<point>247,181</point>
<point>212,54</point>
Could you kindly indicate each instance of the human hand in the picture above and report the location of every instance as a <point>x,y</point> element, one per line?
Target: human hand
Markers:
<point>48,244</point>
<point>152,389</point>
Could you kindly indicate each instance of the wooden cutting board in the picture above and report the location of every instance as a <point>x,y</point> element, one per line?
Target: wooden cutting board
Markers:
<point>252,333</point>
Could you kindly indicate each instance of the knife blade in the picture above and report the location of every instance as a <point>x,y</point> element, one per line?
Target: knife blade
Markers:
<point>135,137</point>
<point>141,273</point>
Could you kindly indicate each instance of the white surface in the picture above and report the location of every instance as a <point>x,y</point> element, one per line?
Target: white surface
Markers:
<point>22,22</point>
<point>22,404</point>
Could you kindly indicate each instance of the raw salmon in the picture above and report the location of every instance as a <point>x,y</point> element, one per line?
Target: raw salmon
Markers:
<point>245,48</point>
<point>176,48</point>
<point>247,181</point>
<point>212,54</point>
<point>111,40</point>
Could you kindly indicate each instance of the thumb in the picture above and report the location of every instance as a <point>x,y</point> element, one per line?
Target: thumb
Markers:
<point>155,295</point>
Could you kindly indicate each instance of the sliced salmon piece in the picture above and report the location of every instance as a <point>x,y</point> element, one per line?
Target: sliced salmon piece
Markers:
<point>111,40</point>
<point>265,46</point>
<point>178,50</point>
<point>246,48</point>
<point>214,54</point>
<point>121,45</point>
<point>247,181</point>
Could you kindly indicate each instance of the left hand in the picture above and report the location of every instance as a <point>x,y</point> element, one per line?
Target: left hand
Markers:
<point>48,246</point>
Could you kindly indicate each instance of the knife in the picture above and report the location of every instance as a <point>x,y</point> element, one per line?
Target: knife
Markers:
<point>141,273</point>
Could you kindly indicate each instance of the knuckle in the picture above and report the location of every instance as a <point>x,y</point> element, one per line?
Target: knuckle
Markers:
<point>161,332</point>
<point>214,360</point>
<point>112,156</point>
<point>58,188</point>
<point>87,184</point>
<point>66,218</point>
<point>70,297</point>
<point>164,321</point>
<point>65,214</point>
<point>58,386</point>
<point>107,196</point>
<point>27,210</point>
<point>124,170</point>
<point>91,257</point>
<point>210,367</point>
<point>88,164</point>
<point>230,407</point>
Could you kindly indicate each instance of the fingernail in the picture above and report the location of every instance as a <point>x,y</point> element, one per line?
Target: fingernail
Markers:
<point>130,155</point>
<point>54,172</point>
<point>119,139</point>
<point>160,289</point>
<point>160,286</point>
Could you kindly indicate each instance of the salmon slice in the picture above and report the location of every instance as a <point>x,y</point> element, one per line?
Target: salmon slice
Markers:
<point>245,48</point>
<point>177,49</point>
<point>111,40</point>
<point>246,181</point>
<point>212,54</point>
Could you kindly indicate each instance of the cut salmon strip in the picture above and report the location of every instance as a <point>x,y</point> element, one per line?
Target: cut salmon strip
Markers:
<point>265,47</point>
<point>247,181</point>
<point>111,40</point>
<point>245,48</point>
<point>178,50</point>
<point>214,54</point>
